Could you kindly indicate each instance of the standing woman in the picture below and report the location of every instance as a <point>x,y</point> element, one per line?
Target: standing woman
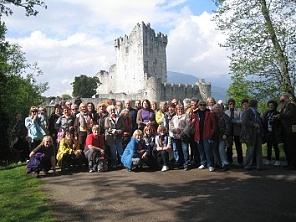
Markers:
<point>179,138</point>
<point>114,127</point>
<point>51,123</point>
<point>222,136</point>
<point>64,122</point>
<point>271,127</point>
<point>33,124</point>
<point>83,125</point>
<point>205,127</point>
<point>20,132</point>
<point>100,116</point>
<point>91,110</point>
<point>146,116</point>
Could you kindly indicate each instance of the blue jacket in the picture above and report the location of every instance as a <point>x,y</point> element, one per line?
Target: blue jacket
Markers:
<point>129,153</point>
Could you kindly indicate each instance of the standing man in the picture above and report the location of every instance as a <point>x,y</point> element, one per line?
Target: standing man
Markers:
<point>251,135</point>
<point>138,104</point>
<point>132,113</point>
<point>235,115</point>
<point>287,117</point>
<point>118,107</point>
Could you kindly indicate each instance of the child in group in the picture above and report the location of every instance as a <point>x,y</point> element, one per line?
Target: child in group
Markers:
<point>162,146</point>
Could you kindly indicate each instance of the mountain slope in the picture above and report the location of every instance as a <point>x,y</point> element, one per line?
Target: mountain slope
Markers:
<point>218,92</point>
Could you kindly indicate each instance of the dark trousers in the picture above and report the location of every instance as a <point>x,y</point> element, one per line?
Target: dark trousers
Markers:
<point>289,140</point>
<point>239,151</point>
<point>163,158</point>
<point>194,155</point>
<point>272,142</point>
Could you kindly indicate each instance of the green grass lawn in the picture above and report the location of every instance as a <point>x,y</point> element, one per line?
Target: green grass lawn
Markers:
<point>21,197</point>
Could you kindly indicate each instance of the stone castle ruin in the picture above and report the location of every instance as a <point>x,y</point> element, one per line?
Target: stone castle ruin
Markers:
<point>140,71</point>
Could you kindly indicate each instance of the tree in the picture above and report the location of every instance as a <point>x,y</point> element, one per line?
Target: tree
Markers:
<point>85,86</point>
<point>261,35</point>
<point>239,89</point>
<point>28,5</point>
<point>66,96</point>
<point>18,87</point>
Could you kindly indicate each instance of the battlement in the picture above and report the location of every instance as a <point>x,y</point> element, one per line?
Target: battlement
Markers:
<point>141,62</point>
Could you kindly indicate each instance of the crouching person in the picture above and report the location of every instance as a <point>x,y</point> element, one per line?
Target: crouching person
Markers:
<point>42,158</point>
<point>69,152</point>
<point>94,151</point>
<point>135,152</point>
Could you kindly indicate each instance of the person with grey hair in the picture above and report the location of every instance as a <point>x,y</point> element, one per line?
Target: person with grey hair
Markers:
<point>95,150</point>
<point>287,117</point>
<point>251,135</point>
<point>186,104</point>
<point>114,128</point>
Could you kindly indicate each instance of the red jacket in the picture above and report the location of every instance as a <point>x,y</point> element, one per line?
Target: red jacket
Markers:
<point>210,126</point>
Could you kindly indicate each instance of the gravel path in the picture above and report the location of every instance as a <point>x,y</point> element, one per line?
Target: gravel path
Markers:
<point>175,195</point>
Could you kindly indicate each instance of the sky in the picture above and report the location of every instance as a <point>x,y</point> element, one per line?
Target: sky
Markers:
<point>73,37</point>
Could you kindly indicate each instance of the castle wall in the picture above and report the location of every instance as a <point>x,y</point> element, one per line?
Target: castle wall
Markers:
<point>140,71</point>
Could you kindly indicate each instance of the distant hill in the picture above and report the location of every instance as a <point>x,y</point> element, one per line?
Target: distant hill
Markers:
<point>218,92</point>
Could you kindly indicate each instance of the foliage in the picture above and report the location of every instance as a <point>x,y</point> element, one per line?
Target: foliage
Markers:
<point>261,35</point>
<point>66,96</point>
<point>18,87</point>
<point>28,5</point>
<point>21,197</point>
<point>239,89</point>
<point>85,86</point>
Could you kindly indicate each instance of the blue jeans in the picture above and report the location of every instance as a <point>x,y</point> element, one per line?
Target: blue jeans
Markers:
<point>205,152</point>
<point>222,152</point>
<point>178,144</point>
<point>116,148</point>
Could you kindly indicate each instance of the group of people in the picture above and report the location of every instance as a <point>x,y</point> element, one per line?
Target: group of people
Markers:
<point>170,134</point>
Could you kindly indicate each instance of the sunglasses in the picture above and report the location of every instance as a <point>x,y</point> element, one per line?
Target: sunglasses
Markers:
<point>202,105</point>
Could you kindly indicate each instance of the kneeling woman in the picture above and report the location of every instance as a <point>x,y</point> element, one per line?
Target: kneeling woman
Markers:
<point>69,152</point>
<point>136,151</point>
<point>42,157</point>
<point>94,150</point>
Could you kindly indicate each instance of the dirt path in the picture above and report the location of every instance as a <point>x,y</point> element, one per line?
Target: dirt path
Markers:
<point>176,195</point>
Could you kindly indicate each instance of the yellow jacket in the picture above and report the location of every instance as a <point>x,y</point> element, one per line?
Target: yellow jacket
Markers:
<point>65,148</point>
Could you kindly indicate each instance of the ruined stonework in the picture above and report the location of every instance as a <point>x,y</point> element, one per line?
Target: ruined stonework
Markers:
<point>141,71</point>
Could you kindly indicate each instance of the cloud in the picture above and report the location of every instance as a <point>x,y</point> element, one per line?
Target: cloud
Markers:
<point>74,37</point>
<point>193,47</point>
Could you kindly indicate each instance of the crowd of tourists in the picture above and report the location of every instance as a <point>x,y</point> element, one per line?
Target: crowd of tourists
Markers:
<point>176,134</point>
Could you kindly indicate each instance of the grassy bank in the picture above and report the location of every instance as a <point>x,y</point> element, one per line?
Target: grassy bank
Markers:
<point>21,198</point>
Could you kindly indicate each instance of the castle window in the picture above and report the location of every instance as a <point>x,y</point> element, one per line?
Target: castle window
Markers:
<point>126,49</point>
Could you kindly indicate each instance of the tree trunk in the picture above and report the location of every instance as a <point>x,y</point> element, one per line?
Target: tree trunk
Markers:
<point>282,59</point>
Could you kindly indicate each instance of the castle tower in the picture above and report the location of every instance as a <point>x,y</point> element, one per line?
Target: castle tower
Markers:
<point>139,56</point>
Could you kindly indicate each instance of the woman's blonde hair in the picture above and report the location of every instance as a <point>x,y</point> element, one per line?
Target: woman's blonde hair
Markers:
<point>138,132</point>
<point>45,139</point>
<point>161,128</point>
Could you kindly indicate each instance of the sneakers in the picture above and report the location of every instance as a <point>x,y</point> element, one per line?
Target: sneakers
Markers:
<point>91,171</point>
<point>165,168</point>
<point>267,163</point>
<point>201,167</point>
<point>211,169</point>
<point>277,163</point>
